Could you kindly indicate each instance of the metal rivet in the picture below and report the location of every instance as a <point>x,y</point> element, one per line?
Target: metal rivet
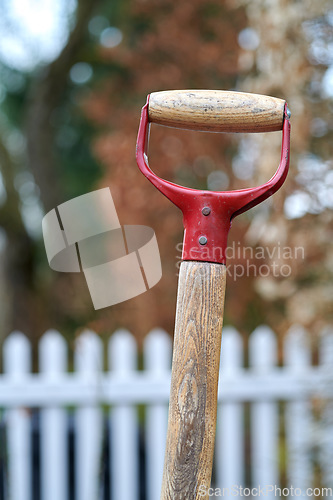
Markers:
<point>203,240</point>
<point>288,112</point>
<point>206,211</point>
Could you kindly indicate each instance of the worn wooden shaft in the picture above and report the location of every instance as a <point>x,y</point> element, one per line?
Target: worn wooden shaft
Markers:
<point>216,111</point>
<point>194,381</point>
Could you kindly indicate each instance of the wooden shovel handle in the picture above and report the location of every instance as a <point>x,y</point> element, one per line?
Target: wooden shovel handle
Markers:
<point>216,111</point>
<point>194,381</point>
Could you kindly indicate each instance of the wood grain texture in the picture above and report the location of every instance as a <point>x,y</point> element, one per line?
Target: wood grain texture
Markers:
<point>194,381</point>
<point>216,111</point>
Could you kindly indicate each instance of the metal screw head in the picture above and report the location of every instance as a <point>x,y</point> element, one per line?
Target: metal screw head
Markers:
<point>203,240</point>
<point>206,211</point>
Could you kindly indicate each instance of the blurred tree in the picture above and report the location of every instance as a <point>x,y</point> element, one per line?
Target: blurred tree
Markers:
<point>48,102</point>
<point>116,54</point>
<point>37,110</point>
<point>163,45</point>
<point>251,46</point>
<point>294,59</point>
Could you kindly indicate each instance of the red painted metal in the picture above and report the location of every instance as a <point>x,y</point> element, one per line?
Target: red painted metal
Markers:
<point>223,205</point>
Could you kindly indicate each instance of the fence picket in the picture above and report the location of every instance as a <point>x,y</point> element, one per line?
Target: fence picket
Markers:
<point>88,419</point>
<point>157,362</point>
<point>326,442</point>
<point>53,430</point>
<point>123,387</point>
<point>264,414</point>
<point>17,365</point>
<point>123,422</point>
<point>230,426</point>
<point>297,359</point>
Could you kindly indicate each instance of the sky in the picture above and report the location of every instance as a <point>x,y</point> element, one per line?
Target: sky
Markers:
<point>33,31</point>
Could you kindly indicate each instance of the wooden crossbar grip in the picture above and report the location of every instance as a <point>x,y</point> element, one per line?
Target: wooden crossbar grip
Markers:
<point>216,111</point>
<point>194,381</point>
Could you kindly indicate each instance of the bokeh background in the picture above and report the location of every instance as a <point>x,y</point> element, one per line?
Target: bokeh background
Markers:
<point>74,76</point>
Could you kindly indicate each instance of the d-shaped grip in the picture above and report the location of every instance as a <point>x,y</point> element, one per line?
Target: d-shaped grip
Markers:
<point>216,111</point>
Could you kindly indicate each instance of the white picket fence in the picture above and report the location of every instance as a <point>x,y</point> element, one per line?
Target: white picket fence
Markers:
<point>121,387</point>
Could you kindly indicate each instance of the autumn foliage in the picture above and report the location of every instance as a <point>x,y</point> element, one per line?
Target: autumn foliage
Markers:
<point>169,45</point>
